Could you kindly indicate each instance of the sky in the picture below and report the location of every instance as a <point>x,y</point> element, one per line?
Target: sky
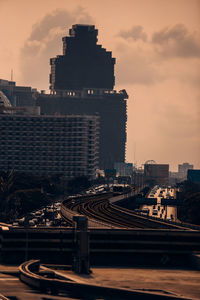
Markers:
<point>156,44</point>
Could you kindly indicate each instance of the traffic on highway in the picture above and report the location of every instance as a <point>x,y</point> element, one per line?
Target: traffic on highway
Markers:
<point>160,209</point>
<point>50,215</point>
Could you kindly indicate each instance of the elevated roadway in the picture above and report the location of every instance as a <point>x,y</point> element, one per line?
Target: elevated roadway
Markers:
<point>115,234</point>
<point>107,246</point>
<point>102,209</point>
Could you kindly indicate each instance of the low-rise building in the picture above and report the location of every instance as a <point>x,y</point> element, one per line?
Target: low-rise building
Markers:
<point>124,169</point>
<point>159,173</point>
<point>193,176</point>
<point>183,169</point>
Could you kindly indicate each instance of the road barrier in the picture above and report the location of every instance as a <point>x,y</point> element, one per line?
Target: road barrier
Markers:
<point>30,274</point>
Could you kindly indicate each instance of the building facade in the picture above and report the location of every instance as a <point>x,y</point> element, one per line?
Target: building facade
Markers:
<point>193,176</point>
<point>46,145</point>
<point>18,95</point>
<point>183,169</point>
<point>124,169</point>
<point>112,111</point>
<point>159,173</point>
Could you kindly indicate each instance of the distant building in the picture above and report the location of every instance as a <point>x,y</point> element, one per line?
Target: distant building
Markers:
<point>4,101</point>
<point>158,173</point>
<point>124,169</point>
<point>193,176</point>
<point>46,145</point>
<point>182,170</point>
<point>17,95</point>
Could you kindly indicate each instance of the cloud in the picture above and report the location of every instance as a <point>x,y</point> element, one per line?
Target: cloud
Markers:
<point>134,68</point>
<point>178,122</point>
<point>135,33</point>
<point>45,41</point>
<point>177,41</point>
<point>167,55</point>
<point>136,64</point>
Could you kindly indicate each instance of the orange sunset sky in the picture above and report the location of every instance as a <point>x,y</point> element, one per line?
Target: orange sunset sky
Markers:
<point>156,44</point>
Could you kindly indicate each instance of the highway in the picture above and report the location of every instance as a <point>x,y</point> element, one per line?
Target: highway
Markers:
<point>166,212</point>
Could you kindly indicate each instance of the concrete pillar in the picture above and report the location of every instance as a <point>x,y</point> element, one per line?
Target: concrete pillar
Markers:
<point>81,245</point>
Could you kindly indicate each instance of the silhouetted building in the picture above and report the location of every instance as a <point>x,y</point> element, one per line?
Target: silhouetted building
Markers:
<point>159,173</point>
<point>182,170</point>
<point>193,176</point>
<point>81,83</point>
<point>84,64</point>
<point>111,108</point>
<point>46,145</point>
<point>17,95</point>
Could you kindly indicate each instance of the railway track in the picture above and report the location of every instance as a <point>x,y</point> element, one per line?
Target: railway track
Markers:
<point>99,208</point>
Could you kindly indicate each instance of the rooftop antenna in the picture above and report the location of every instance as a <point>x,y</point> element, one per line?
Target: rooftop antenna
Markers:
<point>134,153</point>
<point>11,74</point>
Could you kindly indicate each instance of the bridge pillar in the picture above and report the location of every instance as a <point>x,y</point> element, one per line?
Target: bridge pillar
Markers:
<point>81,245</point>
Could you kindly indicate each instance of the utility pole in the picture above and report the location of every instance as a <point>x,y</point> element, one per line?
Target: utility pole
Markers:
<point>11,77</point>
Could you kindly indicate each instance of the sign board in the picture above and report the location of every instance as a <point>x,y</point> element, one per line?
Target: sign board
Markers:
<point>148,201</point>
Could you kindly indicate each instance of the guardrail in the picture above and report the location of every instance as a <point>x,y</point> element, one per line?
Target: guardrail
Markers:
<point>29,274</point>
<point>107,246</point>
<point>173,225</point>
<point>177,224</point>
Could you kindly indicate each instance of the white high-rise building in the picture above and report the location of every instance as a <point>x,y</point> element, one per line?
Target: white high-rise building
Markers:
<point>45,145</point>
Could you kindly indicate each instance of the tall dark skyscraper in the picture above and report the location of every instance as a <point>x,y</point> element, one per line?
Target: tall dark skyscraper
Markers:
<point>84,64</point>
<point>82,81</point>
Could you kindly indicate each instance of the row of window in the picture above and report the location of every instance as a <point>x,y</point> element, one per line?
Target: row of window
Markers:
<point>42,170</point>
<point>39,129</point>
<point>45,167</point>
<point>42,159</point>
<point>64,120</point>
<point>46,126</point>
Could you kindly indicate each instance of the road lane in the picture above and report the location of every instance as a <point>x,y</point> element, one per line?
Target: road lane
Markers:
<point>166,212</point>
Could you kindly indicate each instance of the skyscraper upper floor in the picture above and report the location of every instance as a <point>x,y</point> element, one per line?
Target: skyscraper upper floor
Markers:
<point>84,63</point>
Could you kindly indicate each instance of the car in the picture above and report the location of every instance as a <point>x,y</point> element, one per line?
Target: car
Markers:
<point>155,212</point>
<point>15,224</point>
<point>31,223</point>
<point>145,211</point>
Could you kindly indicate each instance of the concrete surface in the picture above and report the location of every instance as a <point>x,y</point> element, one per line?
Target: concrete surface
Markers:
<point>182,283</point>
<point>13,288</point>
